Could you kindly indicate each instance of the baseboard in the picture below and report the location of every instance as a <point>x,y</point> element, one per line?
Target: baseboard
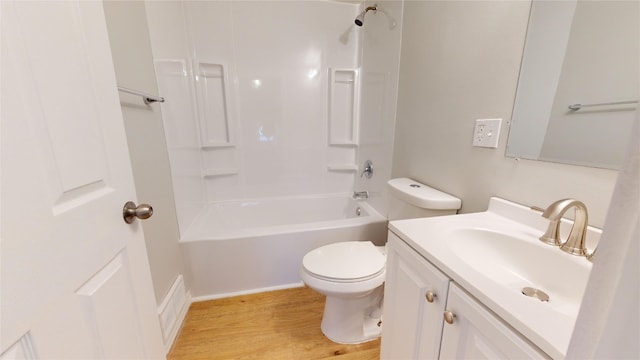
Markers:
<point>172,312</point>
<point>247,292</point>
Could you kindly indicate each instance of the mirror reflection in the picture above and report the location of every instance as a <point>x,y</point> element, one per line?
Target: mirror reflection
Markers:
<point>583,55</point>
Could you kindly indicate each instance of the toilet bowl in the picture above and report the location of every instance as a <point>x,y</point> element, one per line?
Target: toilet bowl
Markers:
<point>351,274</point>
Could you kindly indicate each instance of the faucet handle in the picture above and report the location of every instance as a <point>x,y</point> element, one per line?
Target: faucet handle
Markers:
<point>368,169</point>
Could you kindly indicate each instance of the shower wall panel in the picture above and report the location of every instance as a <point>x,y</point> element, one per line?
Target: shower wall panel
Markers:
<point>182,135</point>
<point>259,73</point>
<point>381,41</point>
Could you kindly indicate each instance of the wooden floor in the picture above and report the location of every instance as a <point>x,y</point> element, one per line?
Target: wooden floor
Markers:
<point>283,324</point>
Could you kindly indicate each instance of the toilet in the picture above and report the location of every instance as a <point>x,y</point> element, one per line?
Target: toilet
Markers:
<point>351,274</point>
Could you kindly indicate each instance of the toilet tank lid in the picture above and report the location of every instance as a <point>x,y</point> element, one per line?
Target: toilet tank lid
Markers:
<point>422,196</point>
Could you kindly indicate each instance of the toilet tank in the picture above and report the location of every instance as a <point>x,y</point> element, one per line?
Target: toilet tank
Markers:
<point>411,199</point>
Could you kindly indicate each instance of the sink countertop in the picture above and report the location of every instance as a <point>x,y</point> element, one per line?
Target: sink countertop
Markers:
<point>549,325</point>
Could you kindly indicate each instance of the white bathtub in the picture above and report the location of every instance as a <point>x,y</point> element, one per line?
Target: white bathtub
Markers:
<point>251,246</point>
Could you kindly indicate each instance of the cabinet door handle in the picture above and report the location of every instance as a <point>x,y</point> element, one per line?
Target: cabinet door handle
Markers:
<point>430,296</point>
<point>448,317</point>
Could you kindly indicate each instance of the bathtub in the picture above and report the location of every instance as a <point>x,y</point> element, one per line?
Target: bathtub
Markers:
<point>240,247</point>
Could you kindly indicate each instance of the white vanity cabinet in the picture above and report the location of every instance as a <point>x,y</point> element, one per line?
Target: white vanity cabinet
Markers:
<point>415,327</point>
<point>415,295</point>
<point>476,333</point>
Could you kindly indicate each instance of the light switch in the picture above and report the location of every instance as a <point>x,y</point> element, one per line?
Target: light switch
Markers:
<point>487,133</point>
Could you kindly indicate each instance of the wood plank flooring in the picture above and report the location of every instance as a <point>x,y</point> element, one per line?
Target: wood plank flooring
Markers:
<point>283,324</point>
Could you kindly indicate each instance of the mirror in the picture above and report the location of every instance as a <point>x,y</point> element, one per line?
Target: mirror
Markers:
<point>584,54</point>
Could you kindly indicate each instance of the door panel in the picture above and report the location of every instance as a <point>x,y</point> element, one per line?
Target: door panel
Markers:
<point>58,74</point>
<point>65,259</point>
<point>412,326</point>
<point>478,334</point>
<point>108,289</point>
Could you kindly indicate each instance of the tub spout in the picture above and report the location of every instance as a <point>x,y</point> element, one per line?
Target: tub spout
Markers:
<point>360,195</point>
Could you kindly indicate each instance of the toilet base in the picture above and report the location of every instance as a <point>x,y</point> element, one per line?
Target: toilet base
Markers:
<point>353,320</point>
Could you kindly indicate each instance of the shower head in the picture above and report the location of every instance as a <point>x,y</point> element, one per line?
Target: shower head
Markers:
<point>360,18</point>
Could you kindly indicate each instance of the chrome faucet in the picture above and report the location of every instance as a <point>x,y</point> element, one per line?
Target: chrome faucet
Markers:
<point>575,243</point>
<point>361,195</point>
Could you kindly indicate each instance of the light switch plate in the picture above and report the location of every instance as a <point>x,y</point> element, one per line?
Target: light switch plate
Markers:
<point>487,133</point>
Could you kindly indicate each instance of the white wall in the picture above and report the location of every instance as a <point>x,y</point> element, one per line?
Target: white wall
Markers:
<point>381,39</point>
<point>460,62</point>
<point>251,79</point>
<point>130,47</point>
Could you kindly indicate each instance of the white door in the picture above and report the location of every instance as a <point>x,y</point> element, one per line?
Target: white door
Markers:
<point>75,281</point>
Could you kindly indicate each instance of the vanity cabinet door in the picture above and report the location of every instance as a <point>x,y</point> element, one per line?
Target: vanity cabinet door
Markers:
<point>475,333</point>
<point>412,321</point>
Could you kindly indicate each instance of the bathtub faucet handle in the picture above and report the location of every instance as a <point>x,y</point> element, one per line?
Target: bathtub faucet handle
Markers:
<point>368,169</point>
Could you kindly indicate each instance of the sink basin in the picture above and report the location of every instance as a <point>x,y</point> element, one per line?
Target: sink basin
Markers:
<point>522,261</point>
<point>495,254</point>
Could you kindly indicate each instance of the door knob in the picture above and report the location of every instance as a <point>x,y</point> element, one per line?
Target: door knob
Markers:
<point>130,211</point>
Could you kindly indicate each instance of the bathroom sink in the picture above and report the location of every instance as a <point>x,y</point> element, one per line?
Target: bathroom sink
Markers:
<point>516,262</point>
<point>495,255</point>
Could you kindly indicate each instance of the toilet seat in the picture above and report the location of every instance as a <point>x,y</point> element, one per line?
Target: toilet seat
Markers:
<point>345,262</point>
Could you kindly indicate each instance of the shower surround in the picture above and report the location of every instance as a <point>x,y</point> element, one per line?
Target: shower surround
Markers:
<point>249,97</point>
<point>269,102</point>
